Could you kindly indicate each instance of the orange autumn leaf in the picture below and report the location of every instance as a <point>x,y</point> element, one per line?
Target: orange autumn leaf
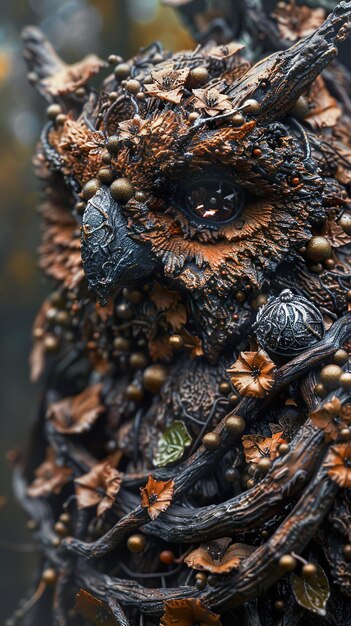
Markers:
<point>98,487</point>
<point>188,612</point>
<point>252,374</point>
<point>69,78</point>
<point>331,418</point>
<point>324,110</point>
<point>76,414</point>
<point>224,51</point>
<point>93,609</point>
<point>164,298</point>
<point>49,477</point>
<point>295,21</point>
<point>176,316</point>
<point>156,496</point>
<point>256,447</point>
<point>338,463</point>
<point>216,557</point>
<point>160,348</point>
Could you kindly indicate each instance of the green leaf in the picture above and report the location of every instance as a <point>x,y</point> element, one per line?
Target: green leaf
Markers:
<point>171,444</point>
<point>312,593</point>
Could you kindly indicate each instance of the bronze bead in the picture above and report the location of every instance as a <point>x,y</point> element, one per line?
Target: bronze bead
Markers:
<point>62,318</point>
<point>224,388</point>
<point>211,441</point>
<point>300,109</point>
<point>345,434</point>
<point>123,311</point>
<point>65,518</point>
<point>200,576</point>
<point>112,96</point>
<point>279,606</point>
<point>250,483</point>
<point>348,296</point>
<point>320,390</point>
<point>347,551</point>
<point>80,207</point>
<point>237,119</point>
<point>134,393</point>
<point>91,188</point>
<point>157,58</point>
<point>240,296</point>
<point>60,119</point>
<point>106,157</point>
<point>105,175</point>
<point>49,576</point>
<point>345,380</point>
<point>154,377</point>
<point>80,92</point>
<point>235,424</point>
<point>136,543</point>
<point>51,343</point>
<point>283,449</point>
<point>32,524</point>
<point>232,475</point>
<point>257,152</point>
<point>318,249</point>
<point>122,190</point>
<point>345,223</point>
<point>121,344</point>
<point>287,563</point>
<point>132,86</point>
<point>233,399</point>
<point>198,76</point>
<point>251,106</point>
<point>140,96</point>
<point>113,59</point>
<point>317,268</point>
<point>167,557</point>
<point>61,529</point>
<point>176,341</point>
<point>329,264</point>
<point>32,78</point>
<point>140,196</point>
<point>122,70</point>
<point>330,376</point>
<point>309,570</point>
<point>340,357</point>
<point>53,111</point>
<point>138,360</point>
<point>259,301</point>
<point>112,144</point>
<point>193,116</point>
<point>132,295</point>
<point>264,465</point>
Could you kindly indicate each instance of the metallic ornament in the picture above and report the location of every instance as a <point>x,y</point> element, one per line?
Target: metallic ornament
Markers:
<point>288,324</point>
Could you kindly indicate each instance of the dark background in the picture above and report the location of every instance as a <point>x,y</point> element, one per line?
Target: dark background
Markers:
<point>75,27</point>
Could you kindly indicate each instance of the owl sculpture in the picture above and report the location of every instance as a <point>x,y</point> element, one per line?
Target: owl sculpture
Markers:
<point>191,462</point>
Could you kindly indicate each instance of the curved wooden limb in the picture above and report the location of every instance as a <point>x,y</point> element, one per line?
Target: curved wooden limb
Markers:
<point>256,574</point>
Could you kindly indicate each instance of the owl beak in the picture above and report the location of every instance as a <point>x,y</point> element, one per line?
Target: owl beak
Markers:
<point>278,81</point>
<point>111,258</point>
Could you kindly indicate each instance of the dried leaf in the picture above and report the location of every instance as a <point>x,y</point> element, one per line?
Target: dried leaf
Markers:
<point>336,235</point>
<point>156,496</point>
<point>171,444</point>
<point>211,101</point>
<point>338,463</point>
<point>328,417</point>
<point>312,593</point>
<point>98,487</point>
<point>168,84</point>
<point>49,477</point>
<point>224,51</point>
<point>217,558</point>
<point>94,609</point>
<point>176,316</point>
<point>256,447</point>
<point>188,612</point>
<point>324,110</point>
<point>71,77</point>
<point>160,348</point>
<point>295,21</point>
<point>253,374</point>
<point>77,414</point>
<point>164,298</point>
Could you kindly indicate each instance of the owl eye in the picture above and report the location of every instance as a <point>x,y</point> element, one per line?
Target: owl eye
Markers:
<point>211,200</point>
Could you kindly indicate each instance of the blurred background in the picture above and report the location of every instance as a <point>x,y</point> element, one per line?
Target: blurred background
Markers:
<point>75,27</point>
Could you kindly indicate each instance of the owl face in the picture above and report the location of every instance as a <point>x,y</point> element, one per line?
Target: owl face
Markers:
<point>210,181</point>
